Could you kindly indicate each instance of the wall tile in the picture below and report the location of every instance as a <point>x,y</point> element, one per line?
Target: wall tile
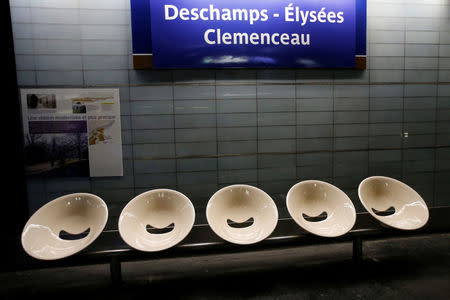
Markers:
<point>309,118</point>
<point>348,91</point>
<point>351,76</point>
<point>195,135</point>
<point>238,176</point>
<point>152,151</point>
<point>194,106</point>
<point>311,159</point>
<point>236,92</point>
<point>386,63</point>
<point>236,120</point>
<point>314,91</point>
<point>349,104</point>
<point>103,47</point>
<point>422,103</point>
<point>314,131</point>
<point>200,76</point>
<point>274,119</point>
<point>424,90</point>
<point>386,90</point>
<point>385,116</point>
<point>421,63</point>
<point>422,24</point>
<point>387,50</point>
<point>386,36</point>
<point>105,17</point>
<point>112,62</point>
<point>385,155</point>
<point>236,106</point>
<point>347,130</point>
<point>162,92</point>
<point>351,117</point>
<point>416,127</point>
<point>147,77</point>
<point>230,76</point>
<point>315,104</point>
<point>314,144</point>
<point>276,160</point>
<point>385,23</point>
<point>444,63</point>
<point>54,16</point>
<point>276,105</point>
<point>151,107</point>
<point>277,146</point>
<point>102,4</point>
<point>277,174</point>
<point>444,90</point>
<point>194,120</point>
<point>151,181</point>
<point>21,31</point>
<point>421,76</point>
<point>380,76</point>
<point>236,133</point>
<point>202,177</point>
<point>196,149</point>
<point>55,31</point>
<point>196,164</point>
<point>351,143</point>
<point>443,102</point>
<point>275,91</point>
<point>315,172</point>
<point>314,76</point>
<point>444,76</point>
<point>275,76</point>
<point>237,162</point>
<point>385,142</point>
<point>146,136</point>
<point>59,78</point>
<point>274,132</point>
<point>154,166</point>
<point>422,50</point>
<point>153,122</point>
<point>422,37</point>
<point>237,147</point>
<point>190,92</point>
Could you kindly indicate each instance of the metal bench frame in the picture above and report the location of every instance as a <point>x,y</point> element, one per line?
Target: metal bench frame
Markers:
<point>109,248</point>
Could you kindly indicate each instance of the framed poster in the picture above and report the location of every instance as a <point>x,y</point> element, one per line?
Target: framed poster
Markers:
<point>72,132</point>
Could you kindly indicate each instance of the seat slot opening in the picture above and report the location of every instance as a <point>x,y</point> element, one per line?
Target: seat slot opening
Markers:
<point>244,224</point>
<point>384,213</point>
<point>64,235</point>
<point>154,230</point>
<point>318,218</point>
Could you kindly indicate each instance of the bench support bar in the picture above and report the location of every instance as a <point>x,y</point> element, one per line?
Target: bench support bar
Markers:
<point>115,269</point>
<point>357,250</point>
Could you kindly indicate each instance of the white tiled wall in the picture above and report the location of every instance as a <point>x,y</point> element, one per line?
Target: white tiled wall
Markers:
<point>198,130</point>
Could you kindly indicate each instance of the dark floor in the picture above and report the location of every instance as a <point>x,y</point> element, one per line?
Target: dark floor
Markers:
<point>407,268</point>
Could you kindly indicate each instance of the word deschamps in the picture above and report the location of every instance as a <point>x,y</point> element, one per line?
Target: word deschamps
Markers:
<point>218,37</point>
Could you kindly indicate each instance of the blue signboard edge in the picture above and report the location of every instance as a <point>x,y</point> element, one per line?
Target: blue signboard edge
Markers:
<point>361,27</point>
<point>141,27</point>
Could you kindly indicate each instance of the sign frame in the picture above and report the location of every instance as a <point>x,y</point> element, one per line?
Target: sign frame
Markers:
<point>142,36</point>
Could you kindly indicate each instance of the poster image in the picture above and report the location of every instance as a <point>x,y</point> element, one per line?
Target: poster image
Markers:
<point>72,132</point>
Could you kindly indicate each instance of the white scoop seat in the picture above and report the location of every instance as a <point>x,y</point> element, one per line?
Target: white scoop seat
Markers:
<point>393,203</point>
<point>64,226</point>
<point>321,208</point>
<point>156,220</point>
<point>250,208</point>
